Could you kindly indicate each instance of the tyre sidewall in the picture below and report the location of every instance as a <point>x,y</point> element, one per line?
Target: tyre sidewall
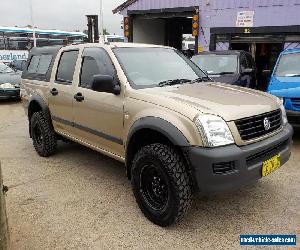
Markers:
<point>164,217</point>
<point>36,121</point>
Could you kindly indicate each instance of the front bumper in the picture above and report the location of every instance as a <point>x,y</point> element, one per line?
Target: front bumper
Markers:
<point>293,118</point>
<point>242,165</point>
<point>9,93</point>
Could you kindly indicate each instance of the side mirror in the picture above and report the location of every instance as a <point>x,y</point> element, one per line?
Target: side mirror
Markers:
<point>247,71</point>
<point>105,83</point>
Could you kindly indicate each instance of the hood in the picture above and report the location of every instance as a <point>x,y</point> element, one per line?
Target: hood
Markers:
<point>287,87</point>
<point>12,78</point>
<point>227,101</point>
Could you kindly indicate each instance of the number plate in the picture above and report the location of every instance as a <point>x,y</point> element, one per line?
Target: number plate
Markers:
<point>271,165</point>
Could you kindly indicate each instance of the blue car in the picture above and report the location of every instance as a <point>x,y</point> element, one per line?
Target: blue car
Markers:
<point>285,83</point>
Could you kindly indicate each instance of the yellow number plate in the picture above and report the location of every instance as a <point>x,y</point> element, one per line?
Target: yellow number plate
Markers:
<point>271,165</point>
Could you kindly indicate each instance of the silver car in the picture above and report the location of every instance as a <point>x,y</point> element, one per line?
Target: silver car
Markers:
<point>10,80</point>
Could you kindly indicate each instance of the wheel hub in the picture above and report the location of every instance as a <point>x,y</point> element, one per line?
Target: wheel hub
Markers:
<point>154,187</point>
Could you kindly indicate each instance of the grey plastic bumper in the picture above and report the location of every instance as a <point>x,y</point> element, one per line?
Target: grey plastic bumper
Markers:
<point>9,93</point>
<point>247,161</point>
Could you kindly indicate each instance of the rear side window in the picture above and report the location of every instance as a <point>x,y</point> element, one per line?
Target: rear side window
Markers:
<point>39,64</point>
<point>66,67</point>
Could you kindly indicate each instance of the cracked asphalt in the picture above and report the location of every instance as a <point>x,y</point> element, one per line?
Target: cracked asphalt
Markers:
<point>80,199</point>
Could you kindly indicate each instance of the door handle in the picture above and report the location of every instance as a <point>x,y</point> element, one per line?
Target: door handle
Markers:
<point>54,91</point>
<point>79,97</point>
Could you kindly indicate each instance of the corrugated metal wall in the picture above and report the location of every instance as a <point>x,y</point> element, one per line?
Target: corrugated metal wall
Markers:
<point>161,4</point>
<point>223,13</point>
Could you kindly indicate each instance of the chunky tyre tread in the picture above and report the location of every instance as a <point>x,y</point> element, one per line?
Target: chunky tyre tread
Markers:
<point>50,142</point>
<point>179,178</point>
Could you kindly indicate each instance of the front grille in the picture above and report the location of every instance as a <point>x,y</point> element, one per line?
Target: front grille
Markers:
<point>262,155</point>
<point>296,102</point>
<point>223,167</point>
<point>253,127</point>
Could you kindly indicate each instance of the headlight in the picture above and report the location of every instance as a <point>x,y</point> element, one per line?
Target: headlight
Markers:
<point>283,113</point>
<point>6,86</point>
<point>280,101</point>
<point>214,130</point>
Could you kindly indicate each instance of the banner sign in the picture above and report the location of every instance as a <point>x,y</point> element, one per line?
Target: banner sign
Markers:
<point>11,55</point>
<point>245,19</point>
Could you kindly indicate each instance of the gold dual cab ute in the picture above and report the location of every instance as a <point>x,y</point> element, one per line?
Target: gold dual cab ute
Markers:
<point>153,109</point>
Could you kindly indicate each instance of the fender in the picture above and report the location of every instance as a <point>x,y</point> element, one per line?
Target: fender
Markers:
<point>162,126</point>
<point>42,104</point>
<point>38,99</point>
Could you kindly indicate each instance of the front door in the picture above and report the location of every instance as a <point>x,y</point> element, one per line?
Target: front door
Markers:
<point>98,116</point>
<point>61,93</point>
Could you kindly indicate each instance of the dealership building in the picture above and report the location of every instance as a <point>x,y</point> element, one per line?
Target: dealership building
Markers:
<point>257,26</point>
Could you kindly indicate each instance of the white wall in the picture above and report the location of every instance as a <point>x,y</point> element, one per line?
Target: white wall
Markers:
<point>11,55</point>
<point>150,31</point>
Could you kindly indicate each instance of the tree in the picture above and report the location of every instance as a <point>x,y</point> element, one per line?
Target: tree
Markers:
<point>105,32</point>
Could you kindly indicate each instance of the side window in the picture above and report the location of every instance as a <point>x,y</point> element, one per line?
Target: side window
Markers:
<point>39,64</point>
<point>244,64</point>
<point>34,63</point>
<point>249,61</point>
<point>45,61</point>
<point>89,68</point>
<point>96,61</point>
<point>66,67</point>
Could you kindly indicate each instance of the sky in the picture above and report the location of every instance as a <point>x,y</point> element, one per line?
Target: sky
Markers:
<point>66,15</point>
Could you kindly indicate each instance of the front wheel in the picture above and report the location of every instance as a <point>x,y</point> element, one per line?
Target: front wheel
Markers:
<point>161,184</point>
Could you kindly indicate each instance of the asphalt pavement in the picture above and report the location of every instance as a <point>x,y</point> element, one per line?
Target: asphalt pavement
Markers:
<point>80,199</point>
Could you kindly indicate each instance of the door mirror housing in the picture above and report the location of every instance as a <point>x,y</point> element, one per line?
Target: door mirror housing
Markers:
<point>105,83</point>
<point>247,71</point>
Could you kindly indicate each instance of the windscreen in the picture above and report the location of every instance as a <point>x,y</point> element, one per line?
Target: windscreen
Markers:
<point>289,66</point>
<point>217,64</point>
<point>148,67</point>
<point>5,69</point>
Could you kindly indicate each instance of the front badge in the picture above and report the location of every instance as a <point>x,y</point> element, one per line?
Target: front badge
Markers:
<point>267,124</point>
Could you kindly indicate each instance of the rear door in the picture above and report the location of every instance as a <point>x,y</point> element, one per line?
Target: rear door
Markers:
<point>98,116</point>
<point>61,94</point>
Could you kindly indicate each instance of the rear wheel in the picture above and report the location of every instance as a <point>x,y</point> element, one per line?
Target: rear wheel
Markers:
<point>161,184</point>
<point>43,135</point>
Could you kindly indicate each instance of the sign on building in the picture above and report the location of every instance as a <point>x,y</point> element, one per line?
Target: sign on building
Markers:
<point>11,55</point>
<point>245,19</point>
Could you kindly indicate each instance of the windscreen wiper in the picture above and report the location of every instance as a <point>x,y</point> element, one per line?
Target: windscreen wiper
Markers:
<point>173,82</point>
<point>296,75</point>
<point>224,73</point>
<point>201,79</point>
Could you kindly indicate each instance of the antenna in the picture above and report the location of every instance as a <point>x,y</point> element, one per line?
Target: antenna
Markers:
<point>32,24</point>
<point>101,22</point>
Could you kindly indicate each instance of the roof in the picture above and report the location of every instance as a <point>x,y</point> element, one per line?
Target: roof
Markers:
<point>222,52</point>
<point>46,50</point>
<point>111,45</point>
<point>123,6</point>
<point>40,31</point>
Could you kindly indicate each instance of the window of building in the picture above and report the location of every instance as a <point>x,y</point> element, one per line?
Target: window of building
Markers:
<point>66,67</point>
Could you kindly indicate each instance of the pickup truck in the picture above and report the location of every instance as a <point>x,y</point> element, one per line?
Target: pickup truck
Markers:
<point>157,112</point>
